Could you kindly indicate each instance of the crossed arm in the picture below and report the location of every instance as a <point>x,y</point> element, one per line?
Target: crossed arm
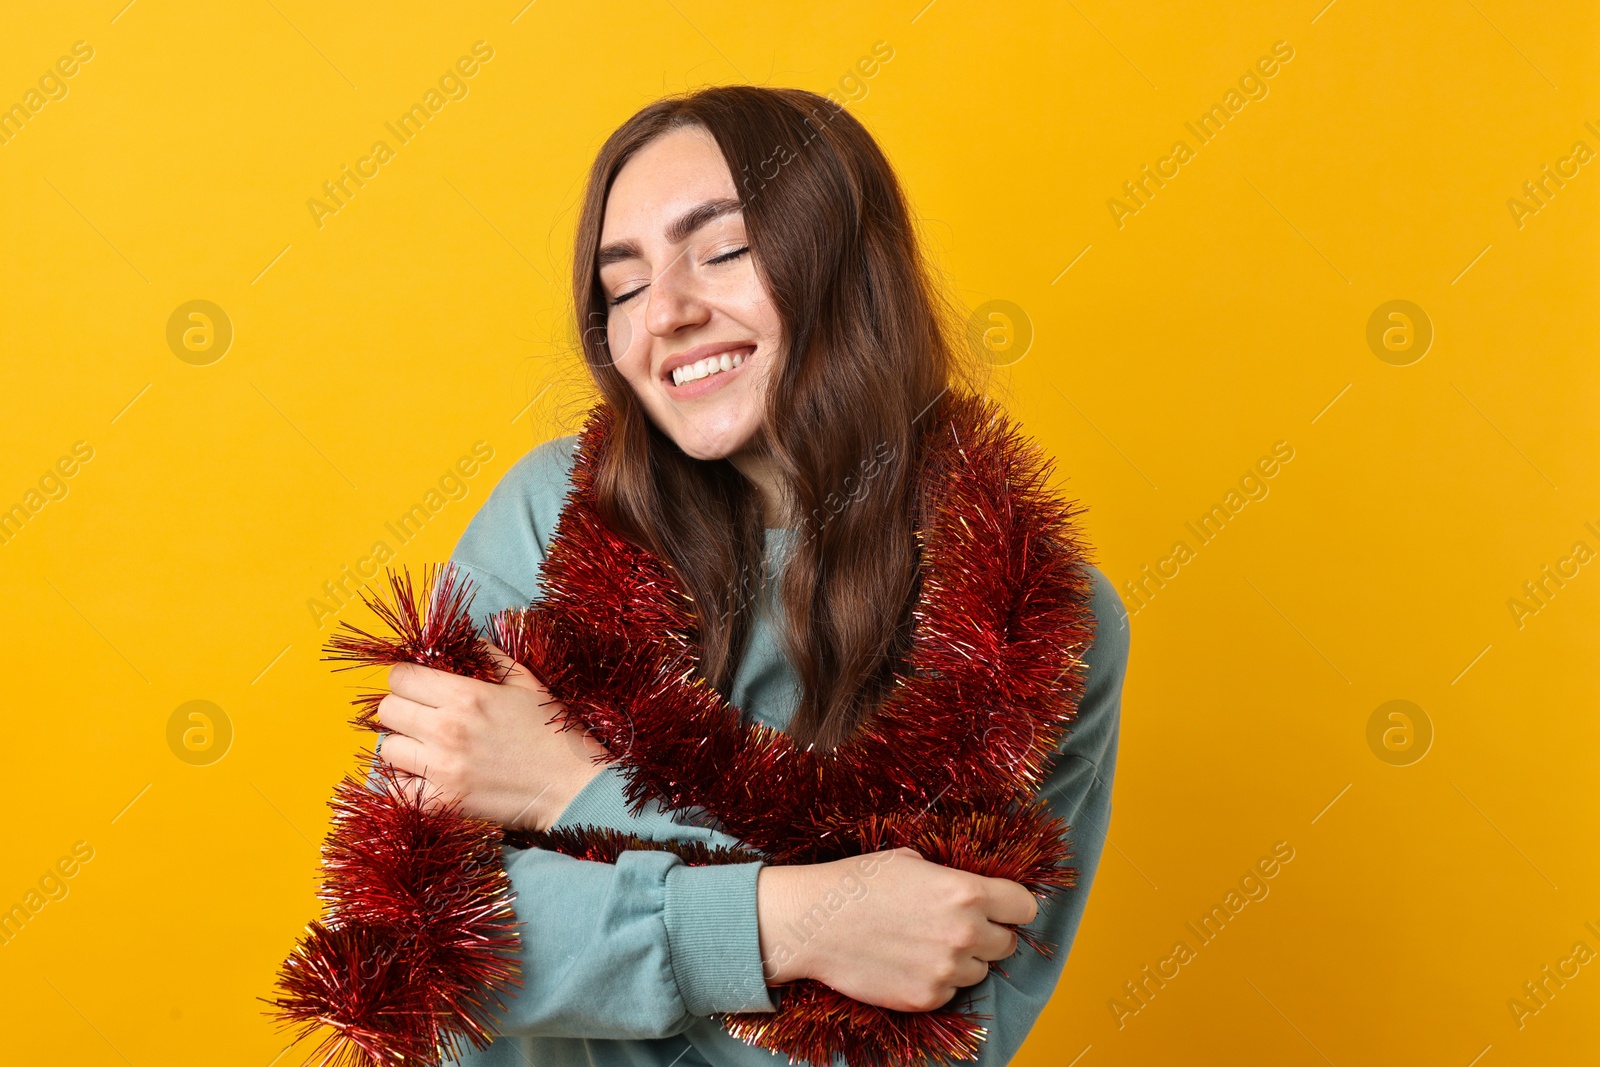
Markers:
<point>648,946</point>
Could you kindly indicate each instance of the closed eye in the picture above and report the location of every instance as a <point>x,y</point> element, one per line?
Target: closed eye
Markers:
<point>725,258</point>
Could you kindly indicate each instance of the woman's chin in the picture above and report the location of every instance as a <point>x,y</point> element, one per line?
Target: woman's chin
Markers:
<point>707,437</point>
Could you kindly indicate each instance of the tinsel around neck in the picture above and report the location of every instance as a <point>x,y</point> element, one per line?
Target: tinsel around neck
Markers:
<point>949,763</point>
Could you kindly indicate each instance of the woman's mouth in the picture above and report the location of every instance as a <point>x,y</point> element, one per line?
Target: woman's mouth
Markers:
<point>693,379</point>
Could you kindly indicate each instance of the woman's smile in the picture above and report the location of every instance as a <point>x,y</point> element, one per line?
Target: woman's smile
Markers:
<point>705,368</point>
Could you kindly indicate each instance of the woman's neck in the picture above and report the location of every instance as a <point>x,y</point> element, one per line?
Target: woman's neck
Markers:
<point>762,472</point>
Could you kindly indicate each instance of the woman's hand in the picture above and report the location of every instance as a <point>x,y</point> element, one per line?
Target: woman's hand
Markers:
<point>491,746</point>
<point>889,928</point>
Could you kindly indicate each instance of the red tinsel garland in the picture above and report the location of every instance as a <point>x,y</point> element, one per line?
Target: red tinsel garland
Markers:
<point>949,763</point>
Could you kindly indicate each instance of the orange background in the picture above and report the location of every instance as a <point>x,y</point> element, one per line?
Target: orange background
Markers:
<point>1158,353</point>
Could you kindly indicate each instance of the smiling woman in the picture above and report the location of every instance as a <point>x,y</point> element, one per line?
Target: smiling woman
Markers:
<point>697,270</point>
<point>713,269</point>
<point>779,393</point>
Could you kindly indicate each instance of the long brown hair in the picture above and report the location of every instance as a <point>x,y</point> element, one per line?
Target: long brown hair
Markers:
<point>868,353</point>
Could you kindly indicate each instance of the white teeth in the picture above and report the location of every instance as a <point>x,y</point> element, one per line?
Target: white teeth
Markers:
<point>710,365</point>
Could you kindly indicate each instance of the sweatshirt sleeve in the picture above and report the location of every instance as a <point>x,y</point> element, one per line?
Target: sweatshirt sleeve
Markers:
<point>641,948</point>
<point>636,949</point>
<point>1078,790</point>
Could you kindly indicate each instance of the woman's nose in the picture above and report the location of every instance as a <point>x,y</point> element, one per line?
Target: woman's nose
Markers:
<point>674,300</point>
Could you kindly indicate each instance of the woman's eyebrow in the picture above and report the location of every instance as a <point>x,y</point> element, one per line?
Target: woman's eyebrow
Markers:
<point>679,230</point>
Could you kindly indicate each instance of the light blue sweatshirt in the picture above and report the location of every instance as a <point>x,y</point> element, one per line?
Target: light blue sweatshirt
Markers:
<point>624,963</point>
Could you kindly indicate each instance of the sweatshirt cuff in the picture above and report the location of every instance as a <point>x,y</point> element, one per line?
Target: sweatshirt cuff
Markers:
<point>714,939</point>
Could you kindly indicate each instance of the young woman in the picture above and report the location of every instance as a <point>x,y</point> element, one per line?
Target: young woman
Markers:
<point>762,322</point>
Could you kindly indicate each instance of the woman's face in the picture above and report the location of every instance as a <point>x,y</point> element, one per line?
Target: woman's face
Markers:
<point>684,296</point>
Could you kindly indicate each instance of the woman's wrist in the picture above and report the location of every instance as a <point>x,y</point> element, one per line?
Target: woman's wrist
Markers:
<point>579,765</point>
<point>558,796</point>
<point>787,947</point>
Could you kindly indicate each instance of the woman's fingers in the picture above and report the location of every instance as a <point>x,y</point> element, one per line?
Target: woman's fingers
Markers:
<point>425,685</point>
<point>971,972</point>
<point>403,716</point>
<point>437,689</point>
<point>997,943</point>
<point>513,673</point>
<point>407,754</point>
<point>402,752</point>
<point>1008,902</point>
